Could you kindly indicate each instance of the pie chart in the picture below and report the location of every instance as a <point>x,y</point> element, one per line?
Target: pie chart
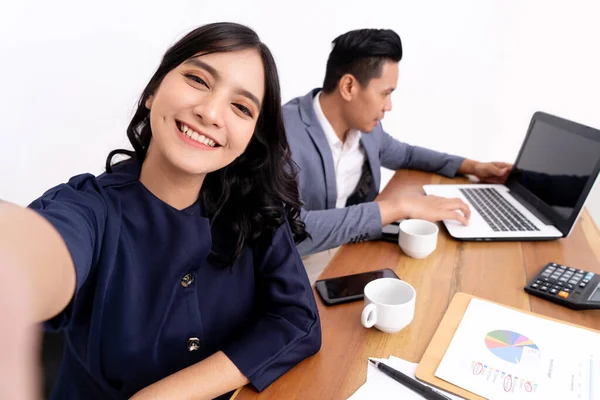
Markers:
<point>508,345</point>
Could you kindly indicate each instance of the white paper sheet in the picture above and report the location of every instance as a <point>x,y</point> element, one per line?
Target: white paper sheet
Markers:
<point>381,386</point>
<point>499,353</point>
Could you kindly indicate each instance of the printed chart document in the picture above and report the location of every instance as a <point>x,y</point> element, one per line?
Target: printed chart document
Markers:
<point>499,353</point>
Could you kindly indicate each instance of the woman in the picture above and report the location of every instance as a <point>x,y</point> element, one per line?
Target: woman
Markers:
<point>174,274</point>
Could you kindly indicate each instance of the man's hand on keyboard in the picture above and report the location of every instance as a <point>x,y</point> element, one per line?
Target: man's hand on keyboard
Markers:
<point>434,208</point>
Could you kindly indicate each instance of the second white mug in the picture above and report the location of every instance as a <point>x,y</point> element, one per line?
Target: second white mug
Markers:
<point>417,238</point>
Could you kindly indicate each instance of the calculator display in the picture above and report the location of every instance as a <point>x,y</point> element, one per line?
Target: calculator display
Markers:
<point>596,295</point>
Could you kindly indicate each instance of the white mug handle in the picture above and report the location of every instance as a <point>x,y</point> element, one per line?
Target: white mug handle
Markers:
<point>369,315</point>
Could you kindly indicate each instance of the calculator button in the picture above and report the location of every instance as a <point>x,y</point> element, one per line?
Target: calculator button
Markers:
<point>544,288</point>
<point>581,271</point>
<point>562,279</point>
<point>553,291</point>
<point>574,281</point>
<point>582,285</point>
<point>569,286</point>
<point>538,281</point>
<point>550,281</point>
<point>572,269</point>
<point>554,277</point>
<point>566,290</point>
<point>535,285</point>
<point>554,264</point>
<point>586,281</point>
<point>563,294</point>
<point>559,284</point>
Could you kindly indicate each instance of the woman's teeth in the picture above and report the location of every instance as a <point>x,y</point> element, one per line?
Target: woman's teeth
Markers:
<point>187,131</point>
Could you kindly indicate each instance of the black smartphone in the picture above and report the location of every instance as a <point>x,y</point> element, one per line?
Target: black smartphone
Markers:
<point>344,289</point>
<point>390,232</point>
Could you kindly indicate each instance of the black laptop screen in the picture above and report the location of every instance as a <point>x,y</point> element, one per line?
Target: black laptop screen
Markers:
<point>555,165</point>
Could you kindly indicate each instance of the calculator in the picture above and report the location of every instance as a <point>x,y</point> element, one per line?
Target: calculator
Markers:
<point>570,287</point>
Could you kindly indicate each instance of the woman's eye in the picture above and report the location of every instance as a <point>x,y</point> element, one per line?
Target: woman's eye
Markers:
<point>196,79</point>
<point>244,109</point>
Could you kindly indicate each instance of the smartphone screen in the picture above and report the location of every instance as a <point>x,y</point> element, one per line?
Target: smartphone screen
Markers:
<point>391,229</point>
<point>390,232</point>
<point>349,288</point>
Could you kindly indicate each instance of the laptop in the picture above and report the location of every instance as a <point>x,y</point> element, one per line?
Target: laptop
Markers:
<point>544,194</point>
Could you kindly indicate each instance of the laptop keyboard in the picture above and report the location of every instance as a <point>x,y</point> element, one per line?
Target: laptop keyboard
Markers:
<point>499,214</point>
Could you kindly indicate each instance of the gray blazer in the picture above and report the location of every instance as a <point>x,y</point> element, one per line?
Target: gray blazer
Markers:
<point>330,226</point>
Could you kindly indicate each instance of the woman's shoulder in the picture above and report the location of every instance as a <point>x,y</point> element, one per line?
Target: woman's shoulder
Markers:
<point>87,187</point>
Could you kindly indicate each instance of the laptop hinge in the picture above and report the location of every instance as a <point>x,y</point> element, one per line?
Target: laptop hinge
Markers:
<point>530,207</point>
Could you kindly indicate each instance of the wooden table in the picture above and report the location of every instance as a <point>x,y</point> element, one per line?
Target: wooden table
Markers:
<point>495,271</point>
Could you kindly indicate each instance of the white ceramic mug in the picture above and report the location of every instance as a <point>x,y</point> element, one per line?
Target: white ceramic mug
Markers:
<point>389,304</point>
<point>418,238</point>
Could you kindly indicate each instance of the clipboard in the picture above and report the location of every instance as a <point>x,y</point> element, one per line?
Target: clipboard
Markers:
<point>443,336</point>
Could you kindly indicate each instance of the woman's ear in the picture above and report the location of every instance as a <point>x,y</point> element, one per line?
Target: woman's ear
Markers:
<point>149,102</point>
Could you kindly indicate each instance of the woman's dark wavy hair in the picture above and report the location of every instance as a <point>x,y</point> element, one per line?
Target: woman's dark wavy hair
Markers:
<point>250,198</point>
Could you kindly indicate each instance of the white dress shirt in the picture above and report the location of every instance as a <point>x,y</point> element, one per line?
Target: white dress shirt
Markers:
<point>348,156</point>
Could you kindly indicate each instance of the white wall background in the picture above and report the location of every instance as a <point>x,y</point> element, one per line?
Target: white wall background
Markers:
<point>473,71</point>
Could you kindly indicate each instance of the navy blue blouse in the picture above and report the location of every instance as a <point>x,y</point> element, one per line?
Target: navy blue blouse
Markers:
<point>148,303</point>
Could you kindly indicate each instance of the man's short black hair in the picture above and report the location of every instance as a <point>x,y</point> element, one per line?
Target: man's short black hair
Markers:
<point>361,53</point>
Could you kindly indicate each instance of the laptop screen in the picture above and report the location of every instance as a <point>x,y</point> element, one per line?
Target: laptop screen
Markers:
<point>555,165</point>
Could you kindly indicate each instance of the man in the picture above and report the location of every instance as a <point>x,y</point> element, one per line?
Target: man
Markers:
<point>337,140</point>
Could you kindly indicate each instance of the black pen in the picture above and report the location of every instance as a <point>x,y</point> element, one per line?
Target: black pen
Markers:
<point>409,382</point>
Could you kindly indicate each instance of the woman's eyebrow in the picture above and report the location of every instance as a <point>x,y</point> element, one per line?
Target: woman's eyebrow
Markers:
<point>207,67</point>
<point>213,71</point>
<point>249,95</point>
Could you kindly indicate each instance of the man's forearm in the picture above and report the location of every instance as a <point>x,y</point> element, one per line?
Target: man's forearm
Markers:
<point>334,227</point>
<point>391,210</point>
<point>467,167</point>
